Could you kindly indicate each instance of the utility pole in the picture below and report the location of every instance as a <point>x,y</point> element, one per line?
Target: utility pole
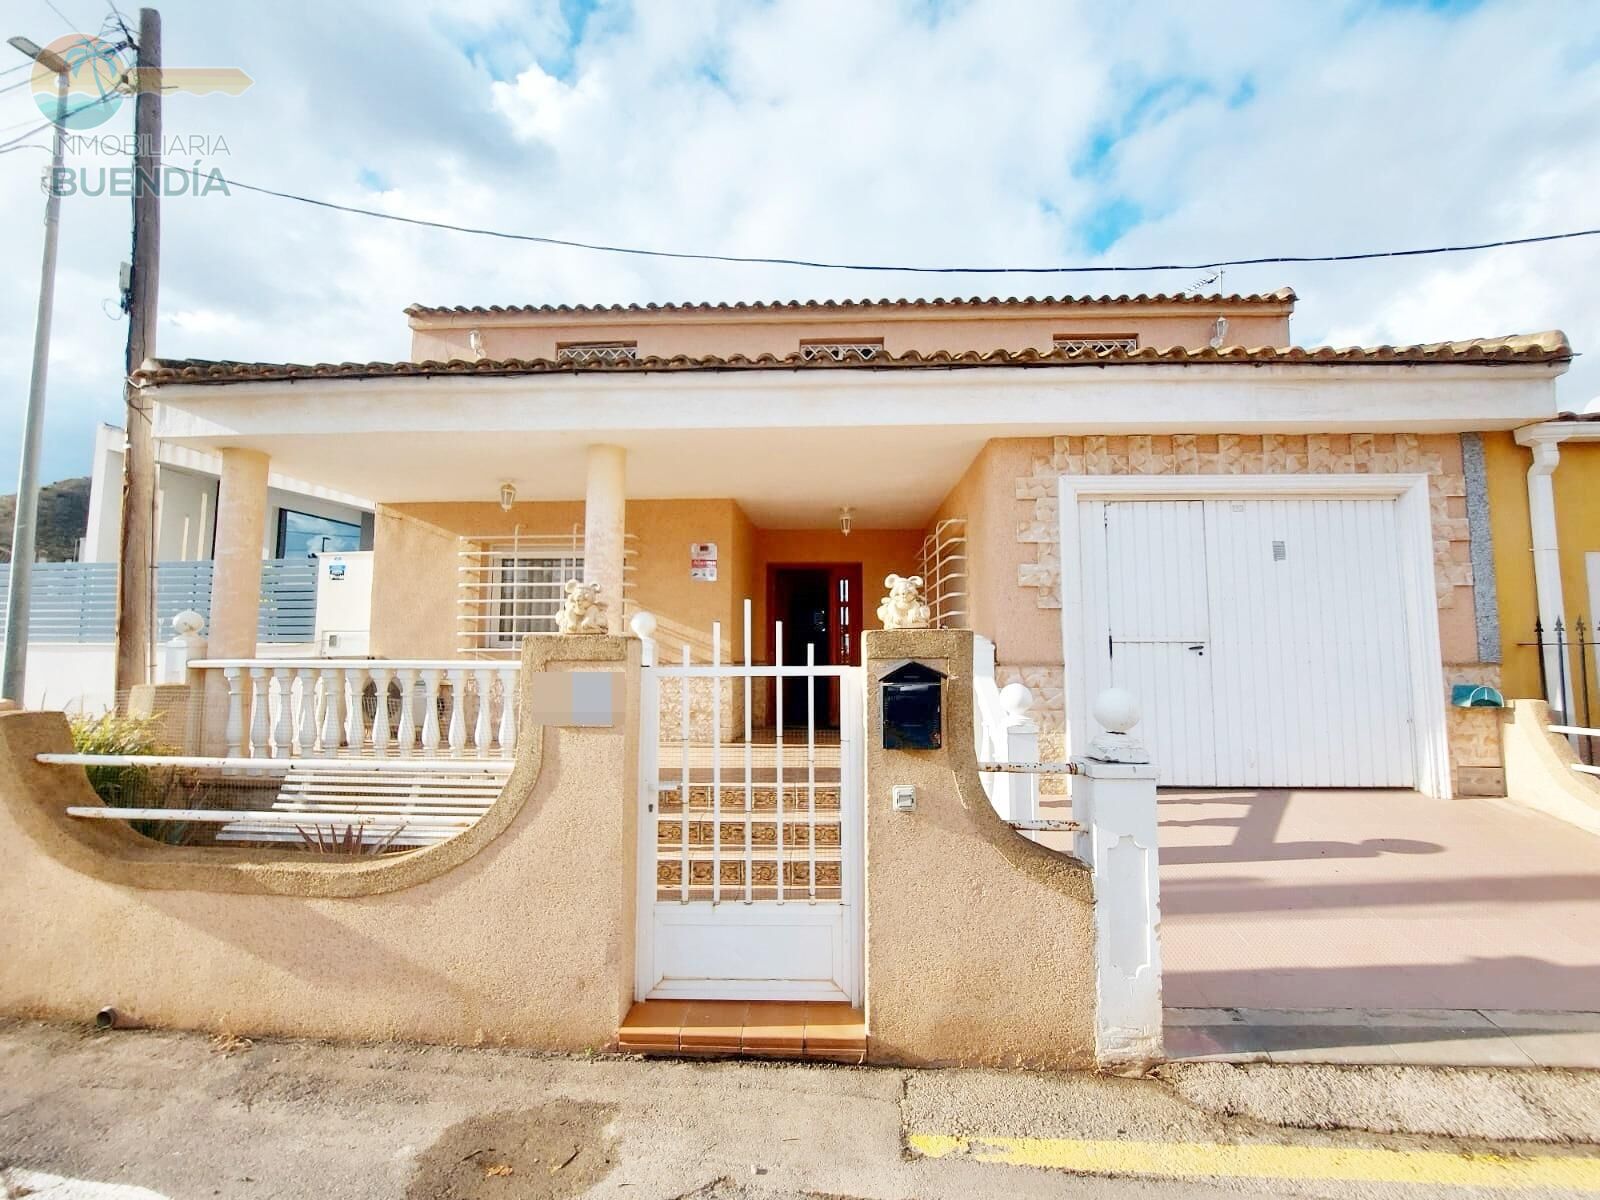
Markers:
<point>136,564</point>
<point>13,674</point>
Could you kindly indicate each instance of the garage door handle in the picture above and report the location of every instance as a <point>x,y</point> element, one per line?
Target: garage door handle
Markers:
<point>1201,648</point>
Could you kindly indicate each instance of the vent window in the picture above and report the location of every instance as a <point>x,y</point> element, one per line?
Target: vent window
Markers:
<point>1096,343</point>
<point>854,350</point>
<point>597,352</point>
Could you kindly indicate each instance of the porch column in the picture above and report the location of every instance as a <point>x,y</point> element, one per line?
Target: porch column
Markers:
<point>1547,560</point>
<point>235,587</point>
<point>604,515</point>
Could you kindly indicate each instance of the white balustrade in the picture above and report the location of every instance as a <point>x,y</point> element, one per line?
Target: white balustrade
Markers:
<point>290,708</point>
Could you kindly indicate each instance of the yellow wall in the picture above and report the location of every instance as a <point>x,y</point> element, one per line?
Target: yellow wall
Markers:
<point>1577,488</point>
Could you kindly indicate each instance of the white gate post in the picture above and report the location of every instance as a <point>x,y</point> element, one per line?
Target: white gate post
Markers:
<point>1016,795</point>
<point>1114,801</point>
<point>644,628</point>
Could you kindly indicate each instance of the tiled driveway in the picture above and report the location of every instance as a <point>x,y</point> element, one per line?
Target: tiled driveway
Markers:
<point>1375,899</point>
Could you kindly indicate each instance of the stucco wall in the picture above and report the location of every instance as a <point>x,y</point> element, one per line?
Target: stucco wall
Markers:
<point>980,943</point>
<point>752,334</point>
<point>519,931</point>
<point>1576,483</point>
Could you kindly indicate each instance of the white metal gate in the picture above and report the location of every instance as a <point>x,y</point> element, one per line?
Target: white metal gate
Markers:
<point>1269,636</point>
<point>750,846</point>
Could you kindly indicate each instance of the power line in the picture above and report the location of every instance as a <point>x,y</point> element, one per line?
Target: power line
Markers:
<point>821,264</point>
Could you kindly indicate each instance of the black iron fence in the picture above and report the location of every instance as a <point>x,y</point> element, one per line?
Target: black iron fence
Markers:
<point>1571,648</point>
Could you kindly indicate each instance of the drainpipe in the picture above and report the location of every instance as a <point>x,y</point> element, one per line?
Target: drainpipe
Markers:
<point>1546,449</point>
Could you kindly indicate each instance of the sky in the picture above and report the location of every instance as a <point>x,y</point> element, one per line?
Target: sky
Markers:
<point>1007,132</point>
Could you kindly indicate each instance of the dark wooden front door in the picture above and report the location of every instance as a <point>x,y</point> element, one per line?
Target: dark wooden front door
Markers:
<point>819,605</point>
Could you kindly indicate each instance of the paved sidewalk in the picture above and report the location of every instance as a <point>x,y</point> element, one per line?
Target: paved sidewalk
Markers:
<point>141,1115</point>
<point>1428,1037</point>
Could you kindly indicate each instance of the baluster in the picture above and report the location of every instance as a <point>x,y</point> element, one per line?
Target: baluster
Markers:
<point>484,726</point>
<point>355,734</point>
<point>458,714</point>
<point>430,711</point>
<point>380,715</point>
<point>283,736</point>
<point>258,711</point>
<point>308,711</point>
<point>508,710</point>
<point>234,727</point>
<point>408,717</point>
<point>328,743</point>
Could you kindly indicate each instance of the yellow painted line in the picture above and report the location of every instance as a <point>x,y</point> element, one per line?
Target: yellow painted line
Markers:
<point>1195,1160</point>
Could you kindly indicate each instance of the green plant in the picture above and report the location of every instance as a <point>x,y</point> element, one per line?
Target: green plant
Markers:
<point>138,786</point>
<point>351,840</point>
<point>110,734</point>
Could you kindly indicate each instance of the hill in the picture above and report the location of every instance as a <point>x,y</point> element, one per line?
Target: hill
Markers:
<point>63,519</point>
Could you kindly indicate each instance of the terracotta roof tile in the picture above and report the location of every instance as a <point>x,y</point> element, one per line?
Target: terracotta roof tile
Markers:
<point>1277,299</point>
<point>1549,347</point>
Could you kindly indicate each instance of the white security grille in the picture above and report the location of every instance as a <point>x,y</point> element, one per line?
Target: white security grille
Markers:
<point>511,587</point>
<point>598,352</point>
<point>1097,345</point>
<point>942,563</point>
<point>839,351</point>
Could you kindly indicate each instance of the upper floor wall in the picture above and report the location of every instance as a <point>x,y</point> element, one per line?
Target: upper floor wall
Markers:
<point>898,327</point>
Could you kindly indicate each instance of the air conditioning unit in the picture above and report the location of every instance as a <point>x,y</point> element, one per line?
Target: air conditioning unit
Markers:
<point>344,604</point>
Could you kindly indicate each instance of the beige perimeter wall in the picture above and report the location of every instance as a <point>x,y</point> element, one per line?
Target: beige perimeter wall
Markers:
<point>519,931</point>
<point>980,943</point>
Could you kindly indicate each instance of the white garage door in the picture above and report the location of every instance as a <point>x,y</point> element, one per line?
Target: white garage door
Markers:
<point>1266,638</point>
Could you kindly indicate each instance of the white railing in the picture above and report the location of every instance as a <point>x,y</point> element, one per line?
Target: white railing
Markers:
<point>942,563</point>
<point>1007,741</point>
<point>322,708</point>
<point>1573,733</point>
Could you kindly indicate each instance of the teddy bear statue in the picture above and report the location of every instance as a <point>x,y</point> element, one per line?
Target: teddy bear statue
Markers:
<point>582,611</point>
<point>904,607</point>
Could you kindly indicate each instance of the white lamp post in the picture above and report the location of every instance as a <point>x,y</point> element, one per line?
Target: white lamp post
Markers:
<point>14,673</point>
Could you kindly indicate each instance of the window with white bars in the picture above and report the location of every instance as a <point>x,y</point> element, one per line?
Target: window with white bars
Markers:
<point>840,351</point>
<point>597,352</point>
<point>1097,343</point>
<point>528,590</point>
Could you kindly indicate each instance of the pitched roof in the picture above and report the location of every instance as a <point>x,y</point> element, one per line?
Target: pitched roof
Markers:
<point>1277,299</point>
<point>1549,347</point>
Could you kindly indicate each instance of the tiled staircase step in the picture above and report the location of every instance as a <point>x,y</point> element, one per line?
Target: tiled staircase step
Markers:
<point>738,1028</point>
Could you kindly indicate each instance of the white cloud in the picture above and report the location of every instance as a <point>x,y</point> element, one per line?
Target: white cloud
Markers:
<point>907,132</point>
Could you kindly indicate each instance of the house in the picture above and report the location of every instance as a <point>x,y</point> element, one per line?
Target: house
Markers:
<point>1282,550</point>
<point>747,792</point>
<point>71,655</point>
<point>302,518</point>
<point>1544,492</point>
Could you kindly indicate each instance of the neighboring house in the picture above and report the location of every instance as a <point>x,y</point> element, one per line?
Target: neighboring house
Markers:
<point>1544,488</point>
<point>301,517</point>
<point>71,663</point>
<point>1274,547</point>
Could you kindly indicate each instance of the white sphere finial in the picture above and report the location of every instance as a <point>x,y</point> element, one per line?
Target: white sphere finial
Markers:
<point>643,626</point>
<point>1016,699</point>
<point>188,622</point>
<point>1117,710</point>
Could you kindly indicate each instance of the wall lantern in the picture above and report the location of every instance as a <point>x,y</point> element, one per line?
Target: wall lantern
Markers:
<point>845,514</point>
<point>508,496</point>
<point>913,707</point>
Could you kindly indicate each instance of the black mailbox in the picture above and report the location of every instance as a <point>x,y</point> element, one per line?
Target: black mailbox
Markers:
<point>913,707</point>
